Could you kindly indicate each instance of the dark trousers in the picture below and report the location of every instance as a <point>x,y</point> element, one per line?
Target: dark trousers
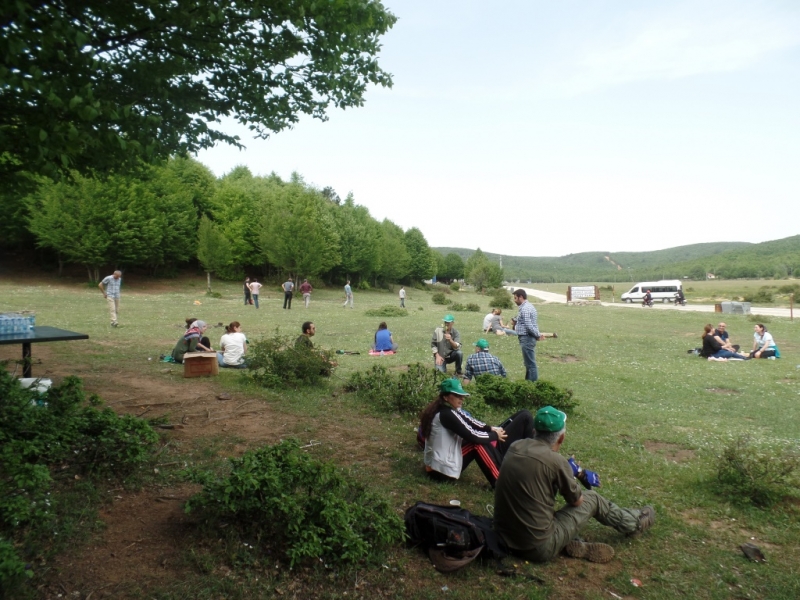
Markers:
<point>489,458</point>
<point>287,300</point>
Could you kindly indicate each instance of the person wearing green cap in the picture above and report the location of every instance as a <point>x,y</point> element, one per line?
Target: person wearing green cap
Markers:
<point>532,473</point>
<point>482,362</point>
<point>453,438</point>
<point>446,346</point>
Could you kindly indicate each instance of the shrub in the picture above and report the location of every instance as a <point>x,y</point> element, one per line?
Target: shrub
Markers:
<point>298,507</point>
<point>793,288</point>
<point>363,285</point>
<point>47,443</point>
<point>754,473</point>
<point>458,307</point>
<point>516,395</point>
<point>501,298</point>
<point>759,318</point>
<point>405,392</point>
<point>439,298</point>
<point>472,307</point>
<point>455,286</point>
<point>762,296</point>
<point>214,295</point>
<point>279,361</point>
<point>387,311</point>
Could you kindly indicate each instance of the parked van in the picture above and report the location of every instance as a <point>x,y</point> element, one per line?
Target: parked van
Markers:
<point>660,290</point>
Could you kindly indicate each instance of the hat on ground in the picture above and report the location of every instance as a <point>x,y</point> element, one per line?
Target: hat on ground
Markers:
<point>452,386</point>
<point>481,343</point>
<point>449,318</point>
<point>549,419</point>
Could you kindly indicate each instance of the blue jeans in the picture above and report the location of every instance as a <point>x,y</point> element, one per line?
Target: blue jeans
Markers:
<point>527,344</point>
<point>255,299</point>
<point>725,354</point>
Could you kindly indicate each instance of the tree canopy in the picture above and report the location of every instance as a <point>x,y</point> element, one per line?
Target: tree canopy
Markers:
<point>99,85</point>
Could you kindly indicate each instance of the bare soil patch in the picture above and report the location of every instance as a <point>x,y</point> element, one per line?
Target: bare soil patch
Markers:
<point>672,452</point>
<point>565,358</point>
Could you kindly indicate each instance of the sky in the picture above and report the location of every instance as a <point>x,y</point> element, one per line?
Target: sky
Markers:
<point>541,128</point>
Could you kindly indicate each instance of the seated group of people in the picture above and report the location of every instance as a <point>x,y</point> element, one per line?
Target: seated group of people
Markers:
<point>233,344</point>
<point>520,459</point>
<point>717,345</point>
<point>493,323</point>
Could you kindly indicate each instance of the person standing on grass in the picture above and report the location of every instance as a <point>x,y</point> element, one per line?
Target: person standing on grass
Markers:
<point>306,289</point>
<point>246,291</point>
<point>288,290</point>
<point>527,330</point>
<point>482,362</point>
<point>402,297</point>
<point>348,294</point>
<point>254,288</point>
<point>110,288</point>
<point>531,475</point>
<point>446,346</point>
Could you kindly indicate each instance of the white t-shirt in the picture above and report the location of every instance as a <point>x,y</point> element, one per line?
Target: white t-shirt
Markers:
<point>487,321</point>
<point>764,342</point>
<point>402,293</point>
<point>232,345</point>
<point>254,287</point>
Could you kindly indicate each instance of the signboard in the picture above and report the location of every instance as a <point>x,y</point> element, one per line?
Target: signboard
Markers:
<point>585,292</point>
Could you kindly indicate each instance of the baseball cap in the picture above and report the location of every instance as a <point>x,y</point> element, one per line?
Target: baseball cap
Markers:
<point>449,318</point>
<point>481,343</point>
<point>549,419</point>
<point>452,386</point>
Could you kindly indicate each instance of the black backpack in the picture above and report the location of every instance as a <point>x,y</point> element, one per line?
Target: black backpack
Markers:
<point>452,535</point>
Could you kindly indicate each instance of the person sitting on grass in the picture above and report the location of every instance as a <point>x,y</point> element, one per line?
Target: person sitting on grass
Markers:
<point>483,363</point>
<point>234,347</point>
<point>192,341</point>
<point>721,332</point>
<point>497,326</point>
<point>384,342</point>
<point>533,472</point>
<point>713,347</point>
<point>453,438</point>
<point>304,340</point>
<point>763,344</point>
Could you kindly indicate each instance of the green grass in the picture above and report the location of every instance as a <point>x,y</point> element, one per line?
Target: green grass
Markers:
<point>643,400</point>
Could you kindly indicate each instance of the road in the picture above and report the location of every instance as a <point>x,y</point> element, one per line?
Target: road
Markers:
<point>562,299</point>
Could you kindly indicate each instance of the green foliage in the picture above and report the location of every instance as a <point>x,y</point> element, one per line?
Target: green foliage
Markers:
<point>297,507</point>
<point>455,286</point>
<point>762,474</point>
<point>282,361</point>
<point>762,296</point>
<point>472,307</point>
<point>482,272</point>
<point>50,442</point>
<point>793,288</point>
<point>213,294</point>
<point>387,311</point>
<point>516,395</point>
<point>501,298</point>
<point>422,262</point>
<point>439,298</point>
<point>406,392</point>
<point>457,307</point>
<point>213,248</point>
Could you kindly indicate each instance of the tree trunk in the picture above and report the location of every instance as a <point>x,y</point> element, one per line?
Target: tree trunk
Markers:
<point>208,275</point>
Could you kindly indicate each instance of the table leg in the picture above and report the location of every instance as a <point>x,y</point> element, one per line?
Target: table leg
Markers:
<point>26,360</point>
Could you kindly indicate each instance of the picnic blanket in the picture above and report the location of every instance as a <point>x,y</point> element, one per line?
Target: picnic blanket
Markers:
<point>381,352</point>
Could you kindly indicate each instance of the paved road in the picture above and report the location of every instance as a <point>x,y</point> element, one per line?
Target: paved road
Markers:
<point>561,298</point>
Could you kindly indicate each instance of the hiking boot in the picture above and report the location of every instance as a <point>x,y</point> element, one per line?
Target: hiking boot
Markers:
<point>647,516</point>
<point>592,551</point>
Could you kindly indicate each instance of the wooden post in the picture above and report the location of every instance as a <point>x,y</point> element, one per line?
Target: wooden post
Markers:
<point>791,306</point>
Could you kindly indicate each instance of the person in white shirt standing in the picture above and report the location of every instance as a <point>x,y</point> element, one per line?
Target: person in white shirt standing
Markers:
<point>254,287</point>
<point>402,297</point>
<point>110,288</point>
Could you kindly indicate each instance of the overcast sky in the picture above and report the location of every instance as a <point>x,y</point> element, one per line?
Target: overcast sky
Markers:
<point>536,128</point>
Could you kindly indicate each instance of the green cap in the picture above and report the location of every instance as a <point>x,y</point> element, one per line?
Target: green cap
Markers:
<point>452,386</point>
<point>549,419</point>
<point>449,318</point>
<point>481,343</point>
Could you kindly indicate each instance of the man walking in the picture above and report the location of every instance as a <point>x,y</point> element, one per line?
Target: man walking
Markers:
<point>524,501</point>
<point>527,330</point>
<point>254,289</point>
<point>288,289</point>
<point>482,362</point>
<point>446,346</point>
<point>110,288</point>
<point>348,295</point>
<point>402,297</point>
<point>306,289</point>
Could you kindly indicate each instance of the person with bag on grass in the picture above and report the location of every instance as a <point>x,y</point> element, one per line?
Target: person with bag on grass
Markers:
<point>533,472</point>
<point>453,438</point>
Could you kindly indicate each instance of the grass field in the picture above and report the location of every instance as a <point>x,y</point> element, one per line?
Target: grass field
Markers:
<point>651,421</point>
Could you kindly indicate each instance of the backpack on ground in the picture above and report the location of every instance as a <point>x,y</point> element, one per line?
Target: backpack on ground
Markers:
<point>452,536</point>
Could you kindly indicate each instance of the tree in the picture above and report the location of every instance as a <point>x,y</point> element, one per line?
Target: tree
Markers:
<point>358,238</point>
<point>99,85</point>
<point>453,267</point>
<point>213,248</point>
<point>422,263</point>
<point>481,272</point>
<point>393,258</point>
<point>473,261</point>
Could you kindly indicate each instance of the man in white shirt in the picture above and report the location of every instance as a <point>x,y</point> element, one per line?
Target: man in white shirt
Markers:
<point>254,287</point>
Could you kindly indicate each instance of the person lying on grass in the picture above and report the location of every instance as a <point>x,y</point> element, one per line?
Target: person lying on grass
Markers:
<point>453,438</point>
<point>533,472</point>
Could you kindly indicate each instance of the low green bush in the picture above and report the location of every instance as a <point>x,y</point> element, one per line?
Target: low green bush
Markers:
<point>283,503</point>
<point>793,288</point>
<point>387,311</point>
<point>457,307</point>
<point>439,298</point>
<point>406,392</point>
<point>279,361</point>
<point>48,444</point>
<point>762,296</point>
<point>455,286</point>
<point>760,474</point>
<point>472,307</point>
<point>501,298</point>
<point>214,295</point>
<point>516,395</point>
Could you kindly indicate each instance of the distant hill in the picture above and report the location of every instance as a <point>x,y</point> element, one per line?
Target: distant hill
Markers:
<point>778,258</point>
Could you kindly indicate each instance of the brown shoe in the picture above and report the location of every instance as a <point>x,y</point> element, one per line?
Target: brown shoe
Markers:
<point>647,516</point>
<point>591,551</point>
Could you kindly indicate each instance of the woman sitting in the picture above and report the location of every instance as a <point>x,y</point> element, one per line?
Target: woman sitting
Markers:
<point>234,347</point>
<point>712,347</point>
<point>453,438</point>
<point>763,344</point>
<point>497,326</point>
<point>383,340</point>
<point>192,340</point>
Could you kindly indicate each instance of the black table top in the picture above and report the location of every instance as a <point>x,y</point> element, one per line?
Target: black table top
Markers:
<point>42,333</point>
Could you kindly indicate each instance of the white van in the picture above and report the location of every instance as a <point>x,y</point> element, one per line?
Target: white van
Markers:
<point>660,290</point>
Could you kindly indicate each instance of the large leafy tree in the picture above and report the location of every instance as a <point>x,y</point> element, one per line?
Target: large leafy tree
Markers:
<point>393,257</point>
<point>95,85</point>
<point>422,262</point>
<point>213,248</point>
